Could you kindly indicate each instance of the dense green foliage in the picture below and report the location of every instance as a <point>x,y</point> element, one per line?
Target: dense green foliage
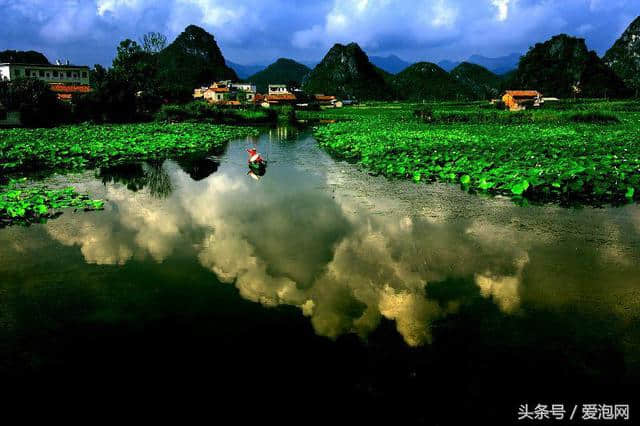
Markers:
<point>624,56</point>
<point>283,71</point>
<point>483,83</point>
<point>427,81</point>
<point>20,203</point>
<point>78,147</point>
<point>129,91</point>
<point>144,76</point>
<point>205,112</point>
<point>193,59</point>
<point>542,160</point>
<point>494,116</point>
<point>563,67</point>
<point>38,106</point>
<point>345,71</point>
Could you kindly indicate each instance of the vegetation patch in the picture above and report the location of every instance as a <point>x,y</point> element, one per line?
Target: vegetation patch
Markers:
<point>204,112</point>
<point>543,160</point>
<point>74,148</point>
<point>24,204</point>
<point>594,117</point>
<point>84,146</point>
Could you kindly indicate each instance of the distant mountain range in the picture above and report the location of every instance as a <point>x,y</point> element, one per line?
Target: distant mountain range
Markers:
<point>391,64</point>
<point>500,65</point>
<point>448,65</point>
<point>244,71</point>
<point>561,66</point>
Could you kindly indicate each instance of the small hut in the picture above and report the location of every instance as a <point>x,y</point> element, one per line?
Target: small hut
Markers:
<point>517,100</point>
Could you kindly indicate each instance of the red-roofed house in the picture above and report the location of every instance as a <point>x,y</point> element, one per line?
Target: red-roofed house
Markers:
<point>216,94</point>
<point>517,100</point>
<point>286,98</point>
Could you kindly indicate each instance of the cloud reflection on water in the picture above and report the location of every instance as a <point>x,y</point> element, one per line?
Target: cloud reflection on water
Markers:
<point>345,264</point>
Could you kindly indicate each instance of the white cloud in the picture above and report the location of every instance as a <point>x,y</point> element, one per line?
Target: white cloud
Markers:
<point>116,6</point>
<point>214,13</point>
<point>383,257</point>
<point>368,22</point>
<point>258,31</point>
<point>444,14</point>
<point>503,9</point>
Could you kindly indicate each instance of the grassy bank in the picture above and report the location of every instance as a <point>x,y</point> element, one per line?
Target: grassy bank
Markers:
<point>584,153</point>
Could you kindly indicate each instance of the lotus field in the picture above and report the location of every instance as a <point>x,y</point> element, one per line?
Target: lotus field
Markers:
<point>571,152</point>
<point>74,148</point>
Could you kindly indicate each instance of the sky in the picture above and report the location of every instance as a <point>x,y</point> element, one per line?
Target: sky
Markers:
<point>259,31</point>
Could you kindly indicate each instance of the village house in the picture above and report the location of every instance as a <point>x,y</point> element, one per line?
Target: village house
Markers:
<point>216,94</point>
<point>65,80</point>
<point>278,89</point>
<point>226,93</point>
<point>281,99</point>
<point>245,91</point>
<point>518,100</point>
<point>198,93</point>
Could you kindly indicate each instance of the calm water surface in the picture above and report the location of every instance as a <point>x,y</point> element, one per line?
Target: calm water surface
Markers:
<point>319,289</point>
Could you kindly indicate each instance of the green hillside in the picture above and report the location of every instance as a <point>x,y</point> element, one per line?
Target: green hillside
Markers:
<point>283,71</point>
<point>193,59</point>
<point>482,82</point>
<point>346,71</point>
<point>564,67</point>
<point>427,81</point>
<point>624,56</point>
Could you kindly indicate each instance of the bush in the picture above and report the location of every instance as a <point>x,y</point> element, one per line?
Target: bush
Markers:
<point>202,111</point>
<point>424,113</point>
<point>594,117</point>
<point>114,101</point>
<point>37,104</point>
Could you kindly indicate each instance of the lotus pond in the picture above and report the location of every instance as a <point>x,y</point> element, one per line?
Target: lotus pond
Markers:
<point>315,291</point>
<point>571,153</point>
<point>41,152</point>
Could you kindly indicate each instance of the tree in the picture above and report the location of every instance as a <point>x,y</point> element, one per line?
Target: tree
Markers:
<point>38,105</point>
<point>153,42</point>
<point>128,52</point>
<point>135,67</point>
<point>97,75</point>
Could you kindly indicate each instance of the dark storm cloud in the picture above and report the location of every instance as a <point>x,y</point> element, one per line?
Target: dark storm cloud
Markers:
<point>258,31</point>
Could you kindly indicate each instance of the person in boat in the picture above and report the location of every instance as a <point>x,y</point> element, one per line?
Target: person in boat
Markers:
<point>255,157</point>
<point>257,164</point>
